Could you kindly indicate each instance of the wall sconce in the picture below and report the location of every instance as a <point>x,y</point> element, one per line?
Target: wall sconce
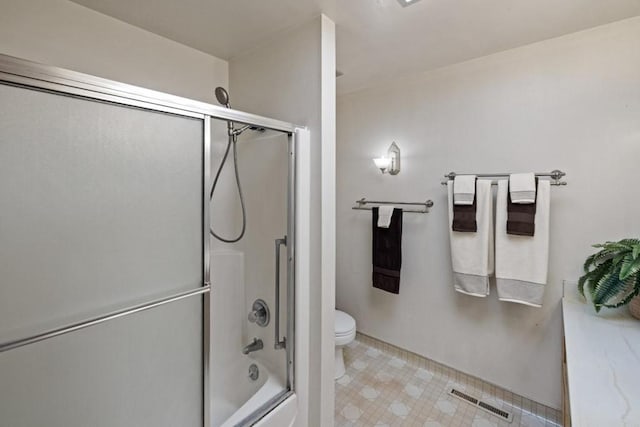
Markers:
<point>391,162</point>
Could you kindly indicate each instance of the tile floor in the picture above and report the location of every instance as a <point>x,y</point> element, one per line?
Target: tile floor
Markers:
<point>388,387</point>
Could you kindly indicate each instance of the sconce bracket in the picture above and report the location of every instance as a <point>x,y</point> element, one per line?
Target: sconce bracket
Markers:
<point>394,154</point>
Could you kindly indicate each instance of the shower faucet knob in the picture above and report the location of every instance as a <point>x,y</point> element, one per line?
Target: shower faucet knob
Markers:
<point>259,313</point>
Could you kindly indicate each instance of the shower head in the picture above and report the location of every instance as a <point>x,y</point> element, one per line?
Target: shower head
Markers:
<point>222,96</point>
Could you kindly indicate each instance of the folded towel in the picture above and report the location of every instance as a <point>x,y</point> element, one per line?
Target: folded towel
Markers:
<point>472,253</point>
<point>464,189</point>
<point>521,218</point>
<point>464,216</point>
<point>522,188</point>
<point>387,252</point>
<point>384,216</point>
<point>522,262</point>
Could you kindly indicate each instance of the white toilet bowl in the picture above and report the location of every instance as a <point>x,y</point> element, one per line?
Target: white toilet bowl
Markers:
<point>345,328</point>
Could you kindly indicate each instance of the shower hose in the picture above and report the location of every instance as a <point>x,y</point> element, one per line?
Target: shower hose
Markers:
<point>233,138</point>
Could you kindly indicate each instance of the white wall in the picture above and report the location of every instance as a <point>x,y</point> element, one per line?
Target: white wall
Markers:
<point>570,103</point>
<point>67,35</point>
<point>284,79</point>
<point>328,222</point>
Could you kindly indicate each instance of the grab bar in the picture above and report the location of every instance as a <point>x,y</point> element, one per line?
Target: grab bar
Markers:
<point>278,344</point>
<point>10,345</point>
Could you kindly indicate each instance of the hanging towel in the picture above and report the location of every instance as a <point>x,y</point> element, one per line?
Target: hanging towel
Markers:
<point>387,252</point>
<point>472,253</point>
<point>521,261</point>
<point>522,188</point>
<point>464,189</point>
<point>384,216</point>
<point>464,216</point>
<point>521,218</point>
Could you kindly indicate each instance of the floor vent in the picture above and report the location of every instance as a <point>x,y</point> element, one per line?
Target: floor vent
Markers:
<point>461,395</point>
<point>503,415</point>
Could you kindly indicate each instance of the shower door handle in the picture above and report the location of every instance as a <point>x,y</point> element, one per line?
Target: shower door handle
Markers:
<point>278,343</point>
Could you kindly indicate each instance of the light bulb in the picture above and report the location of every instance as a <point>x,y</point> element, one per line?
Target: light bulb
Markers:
<point>382,163</point>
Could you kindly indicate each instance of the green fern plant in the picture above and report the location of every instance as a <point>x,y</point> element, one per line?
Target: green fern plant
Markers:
<point>612,275</point>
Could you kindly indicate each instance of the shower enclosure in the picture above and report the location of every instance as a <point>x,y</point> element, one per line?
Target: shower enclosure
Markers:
<point>116,306</point>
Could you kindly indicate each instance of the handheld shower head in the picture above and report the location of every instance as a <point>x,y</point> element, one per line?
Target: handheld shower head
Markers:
<point>222,96</point>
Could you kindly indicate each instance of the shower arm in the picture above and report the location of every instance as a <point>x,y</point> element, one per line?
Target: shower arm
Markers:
<point>236,132</point>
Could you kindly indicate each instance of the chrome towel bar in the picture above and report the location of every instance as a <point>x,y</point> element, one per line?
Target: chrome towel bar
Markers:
<point>555,175</point>
<point>361,205</point>
<point>21,342</point>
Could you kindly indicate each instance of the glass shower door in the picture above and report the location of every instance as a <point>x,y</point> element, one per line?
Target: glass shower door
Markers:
<point>252,280</point>
<point>101,209</point>
<point>106,314</point>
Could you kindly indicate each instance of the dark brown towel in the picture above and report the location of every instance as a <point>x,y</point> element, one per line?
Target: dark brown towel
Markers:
<point>387,252</point>
<point>521,219</point>
<point>464,216</point>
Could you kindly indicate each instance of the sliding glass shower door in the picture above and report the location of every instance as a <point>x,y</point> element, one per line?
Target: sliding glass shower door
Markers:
<point>109,315</point>
<point>252,279</point>
<point>101,209</point>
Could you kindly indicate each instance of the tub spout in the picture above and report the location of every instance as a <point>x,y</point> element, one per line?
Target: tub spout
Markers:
<point>255,345</point>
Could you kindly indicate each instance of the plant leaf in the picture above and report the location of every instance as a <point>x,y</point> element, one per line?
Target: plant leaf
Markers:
<point>632,290</point>
<point>612,275</point>
<point>620,257</point>
<point>592,278</point>
<point>581,283</point>
<point>629,242</point>
<point>629,267</point>
<point>606,288</point>
<point>623,245</point>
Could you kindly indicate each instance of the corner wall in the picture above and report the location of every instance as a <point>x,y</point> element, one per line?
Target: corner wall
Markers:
<point>569,103</point>
<point>292,78</point>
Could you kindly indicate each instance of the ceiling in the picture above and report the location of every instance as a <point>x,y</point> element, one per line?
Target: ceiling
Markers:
<point>377,40</point>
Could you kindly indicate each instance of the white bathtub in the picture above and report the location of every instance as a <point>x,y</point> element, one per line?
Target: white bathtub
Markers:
<point>237,396</point>
<point>233,395</point>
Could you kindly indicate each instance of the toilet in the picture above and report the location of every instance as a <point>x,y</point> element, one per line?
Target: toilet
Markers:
<point>345,328</point>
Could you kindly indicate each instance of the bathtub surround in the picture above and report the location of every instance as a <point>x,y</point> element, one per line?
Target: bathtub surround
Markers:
<point>386,385</point>
<point>565,102</point>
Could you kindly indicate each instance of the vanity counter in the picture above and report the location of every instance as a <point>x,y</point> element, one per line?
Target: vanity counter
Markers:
<point>602,365</point>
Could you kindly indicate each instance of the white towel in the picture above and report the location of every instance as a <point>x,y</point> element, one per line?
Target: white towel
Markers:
<point>522,187</point>
<point>472,253</point>
<point>384,216</point>
<point>522,261</point>
<point>464,189</point>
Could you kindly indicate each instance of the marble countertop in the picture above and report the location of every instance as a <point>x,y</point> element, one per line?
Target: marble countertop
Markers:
<point>603,365</point>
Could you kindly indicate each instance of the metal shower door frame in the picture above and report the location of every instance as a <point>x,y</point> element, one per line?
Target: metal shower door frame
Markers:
<point>22,73</point>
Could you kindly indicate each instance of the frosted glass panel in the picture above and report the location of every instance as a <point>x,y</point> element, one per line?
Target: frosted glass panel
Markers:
<point>137,371</point>
<point>246,272</point>
<point>100,206</point>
